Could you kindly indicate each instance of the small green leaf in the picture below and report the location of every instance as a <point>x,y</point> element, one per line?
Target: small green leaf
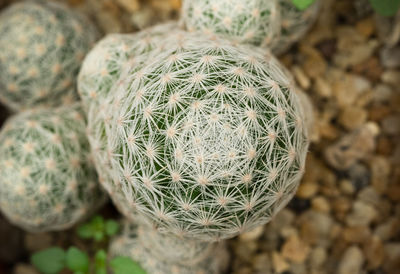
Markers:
<point>122,265</point>
<point>302,4</point>
<point>77,260</point>
<point>49,261</point>
<point>385,7</point>
<point>100,262</point>
<point>112,227</point>
<point>85,231</point>
<point>98,236</point>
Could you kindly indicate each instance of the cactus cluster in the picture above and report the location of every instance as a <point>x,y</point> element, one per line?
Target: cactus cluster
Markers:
<point>42,45</point>
<point>275,24</point>
<point>206,140</point>
<point>47,179</point>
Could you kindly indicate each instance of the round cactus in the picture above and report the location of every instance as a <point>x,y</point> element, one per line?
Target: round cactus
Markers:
<point>104,63</point>
<point>205,141</point>
<point>253,22</point>
<point>276,24</point>
<point>42,45</point>
<point>47,180</point>
<point>147,247</point>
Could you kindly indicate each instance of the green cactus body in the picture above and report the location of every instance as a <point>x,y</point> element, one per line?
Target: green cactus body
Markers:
<point>42,45</point>
<point>275,24</point>
<point>206,141</point>
<point>104,63</point>
<point>101,70</point>
<point>47,180</point>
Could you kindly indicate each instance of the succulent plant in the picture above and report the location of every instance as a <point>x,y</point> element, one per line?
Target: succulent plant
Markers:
<point>104,63</point>
<point>47,179</point>
<point>42,45</point>
<point>145,245</point>
<point>276,24</point>
<point>205,141</point>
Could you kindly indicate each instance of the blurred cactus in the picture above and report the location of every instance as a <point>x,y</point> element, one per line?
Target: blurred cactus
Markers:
<point>276,24</point>
<point>146,246</point>
<point>104,63</point>
<point>47,180</point>
<point>42,45</point>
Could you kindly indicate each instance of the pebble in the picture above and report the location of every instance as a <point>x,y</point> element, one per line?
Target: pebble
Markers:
<point>356,234</point>
<point>279,263</point>
<point>130,5</point>
<point>322,87</point>
<point>391,125</point>
<point>380,171</point>
<point>24,269</point>
<point>252,235</point>
<point>387,230</point>
<point>352,147</point>
<point>390,57</point>
<point>353,117</point>
<point>301,77</point>
<point>318,256</point>
<point>307,190</point>
<point>382,93</point>
<point>362,214</point>
<point>262,263</point>
<point>295,250</point>
<point>352,261</point>
<point>392,258</point>
<point>321,204</point>
<point>366,27</point>
<point>347,187</point>
<point>315,227</point>
<point>347,88</point>
<point>391,77</point>
<point>374,252</point>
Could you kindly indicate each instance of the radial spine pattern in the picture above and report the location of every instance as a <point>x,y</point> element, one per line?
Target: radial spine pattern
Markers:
<point>275,24</point>
<point>42,45</point>
<point>206,141</point>
<point>47,179</point>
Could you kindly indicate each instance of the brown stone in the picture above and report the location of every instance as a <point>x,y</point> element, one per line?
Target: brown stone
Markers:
<point>366,27</point>
<point>321,204</point>
<point>353,117</point>
<point>352,261</point>
<point>307,190</point>
<point>356,234</point>
<point>279,263</point>
<point>374,252</point>
<point>295,250</point>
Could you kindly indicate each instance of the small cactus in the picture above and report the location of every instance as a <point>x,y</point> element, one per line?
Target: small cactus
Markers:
<point>42,45</point>
<point>47,180</point>
<point>104,63</point>
<point>147,247</point>
<point>206,141</point>
<point>276,24</point>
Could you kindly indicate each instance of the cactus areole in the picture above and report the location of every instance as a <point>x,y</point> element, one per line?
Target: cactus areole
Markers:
<point>206,140</point>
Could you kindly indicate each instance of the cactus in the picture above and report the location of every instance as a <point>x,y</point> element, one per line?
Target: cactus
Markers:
<point>263,23</point>
<point>207,140</point>
<point>42,45</point>
<point>47,180</point>
<point>145,245</point>
<point>104,63</point>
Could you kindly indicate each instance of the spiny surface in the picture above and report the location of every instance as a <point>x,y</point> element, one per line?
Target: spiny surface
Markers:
<point>183,256</point>
<point>276,24</point>
<point>42,45</point>
<point>206,141</point>
<point>104,63</point>
<point>47,180</point>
